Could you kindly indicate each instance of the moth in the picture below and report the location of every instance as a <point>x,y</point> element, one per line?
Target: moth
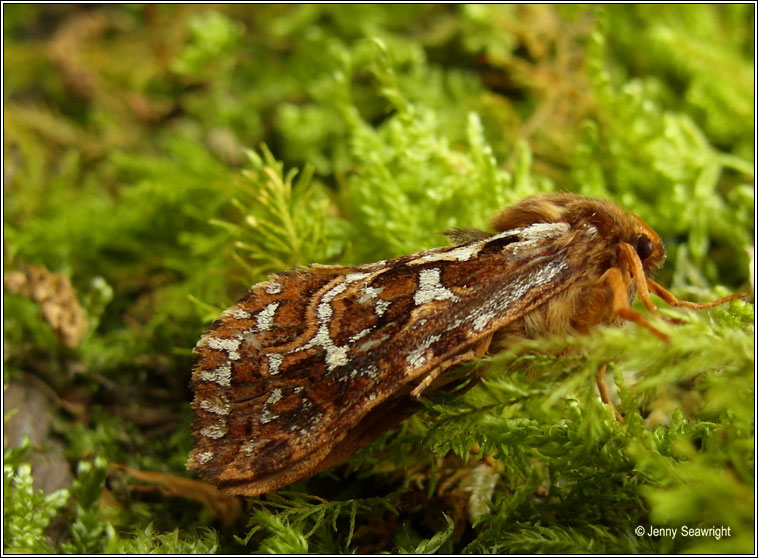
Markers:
<point>316,362</point>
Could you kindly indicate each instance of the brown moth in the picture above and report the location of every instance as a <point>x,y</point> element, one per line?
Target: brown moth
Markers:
<point>316,362</point>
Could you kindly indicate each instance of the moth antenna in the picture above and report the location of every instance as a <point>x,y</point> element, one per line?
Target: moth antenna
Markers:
<point>671,300</point>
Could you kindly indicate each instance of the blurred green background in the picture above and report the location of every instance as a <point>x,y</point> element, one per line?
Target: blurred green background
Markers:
<point>159,159</point>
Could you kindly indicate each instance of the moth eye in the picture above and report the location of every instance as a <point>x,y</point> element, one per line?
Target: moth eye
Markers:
<point>644,247</point>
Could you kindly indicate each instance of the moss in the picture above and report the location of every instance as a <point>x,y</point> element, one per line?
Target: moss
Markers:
<point>27,512</point>
<point>167,157</point>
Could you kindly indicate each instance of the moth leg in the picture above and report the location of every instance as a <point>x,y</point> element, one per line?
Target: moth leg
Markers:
<point>603,389</point>
<point>673,301</point>
<point>638,276</point>
<point>477,351</point>
<point>620,301</point>
<point>482,346</point>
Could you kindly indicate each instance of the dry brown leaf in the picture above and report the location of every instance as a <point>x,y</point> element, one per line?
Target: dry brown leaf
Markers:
<point>58,302</point>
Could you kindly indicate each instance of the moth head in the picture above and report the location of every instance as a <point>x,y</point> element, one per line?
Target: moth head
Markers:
<point>611,223</point>
<point>647,244</point>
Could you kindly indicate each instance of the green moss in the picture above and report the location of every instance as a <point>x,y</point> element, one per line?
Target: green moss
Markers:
<point>167,157</point>
<point>147,541</point>
<point>26,512</point>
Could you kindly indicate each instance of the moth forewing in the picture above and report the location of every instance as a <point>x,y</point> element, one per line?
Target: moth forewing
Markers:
<point>316,362</point>
<point>287,373</point>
